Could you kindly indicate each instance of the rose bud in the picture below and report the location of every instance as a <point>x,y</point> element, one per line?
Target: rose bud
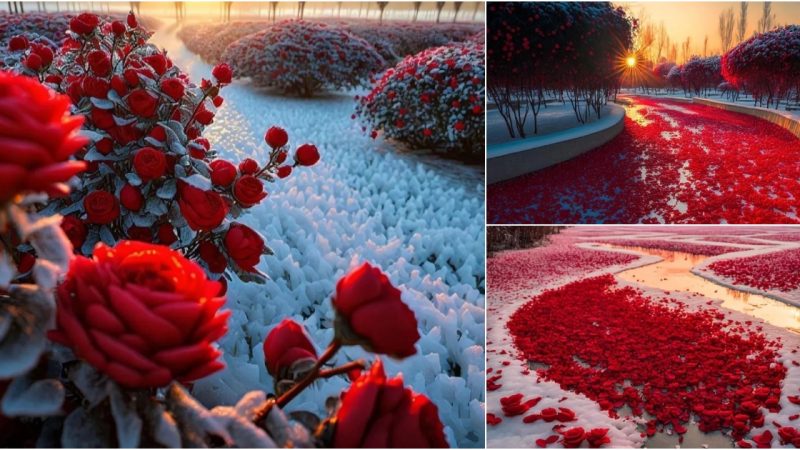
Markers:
<point>287,348</point>
<point>248,166</point>
<point>53,79</point>
<point>149,163</point>
<point>244,246</point>
<point>44,52</point>
<point>132,23</point>
<point>101,207</point>
<point>222,172</point>
<point>203,210</point>
<point>142,103</point>
<point>284,171</point>
<point>131,77</point>
<point>213,258</point>
<point>84,23</point>
<point>276,137</point>
<point>75,230</point>
<point>158,62</point>
<point>377,412</point>
<point>573,437</point>
<point>18,43</point>
<point>306,155</point>
<point>166,234</point>
<point>173,87</point>
<point>363,298</point>
<point>131,198</point>
<point>158,133</point>
<point>217,101</point>
<point>38,138</point>
<point>33,62</point>
<point>141,234</point>
<point>118,28</point>
<point>26,262</point>
<point>281,158</point>
<point>142,314</point>
<point>204,116</point>
<point>222,73</point>
<point>249,191</point>
<point>99,62</point>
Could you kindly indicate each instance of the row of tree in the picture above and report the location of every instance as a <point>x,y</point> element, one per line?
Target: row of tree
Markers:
<point>500,238</point>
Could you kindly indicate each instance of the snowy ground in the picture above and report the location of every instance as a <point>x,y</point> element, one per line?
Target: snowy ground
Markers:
<point>516,377</point>
<point>363,201</point>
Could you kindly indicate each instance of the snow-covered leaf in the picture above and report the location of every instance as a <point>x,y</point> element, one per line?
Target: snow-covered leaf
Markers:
<point>133,179</point>
<point>198,181</point>
<point>143,220</point>
<point>242,431</point>
<point>107,236</point>
<point>156,206</point>
<point>195,421</point>
<point>128,422</point>
<point>284,432</point>
<point>168,190</point>
<point>102,103</point>
<point>25,316</point>
<point>163,428</point>
<point>92,384</point>
<point>87,429</point>
<point>7,270</point>
<point>92,135</point>
<point>29,397</point>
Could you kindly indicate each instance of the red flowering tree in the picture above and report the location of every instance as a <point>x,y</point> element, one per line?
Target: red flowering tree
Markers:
<point>303,58</point>
<point>151,176</point>
<point>701,74</point>
<point>431,100</point>
<point>568,47</point>
<point>767,65</point>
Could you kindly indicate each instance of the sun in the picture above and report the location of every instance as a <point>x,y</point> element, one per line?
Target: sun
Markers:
<point>631,61</point>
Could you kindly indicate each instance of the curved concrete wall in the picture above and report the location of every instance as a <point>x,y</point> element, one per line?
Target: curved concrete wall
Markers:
<point>776,117</point>
<point>537,153</point>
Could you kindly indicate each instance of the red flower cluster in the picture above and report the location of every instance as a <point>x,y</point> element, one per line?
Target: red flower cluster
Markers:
<point>674,246</point>
<point>433,99</point>
<point>770,271</point>
<point>735,170</point>
<point>302,58</point>
<point>652,355</point>
<point>39,135</point>
<point>142,314</point>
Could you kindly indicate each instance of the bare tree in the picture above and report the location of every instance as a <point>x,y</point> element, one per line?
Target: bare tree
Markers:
<point>726,21</point>
<point>673,53</point>
<point>741,27</point>
<point>767,20</point>
<point>417,5</point>
<point>662,41</point>
<point>646,39</point>
<point>301,9</point>
<point>457,7</point>
<point>439,7</point>
<point>381,7</point>
<point>686,48</point>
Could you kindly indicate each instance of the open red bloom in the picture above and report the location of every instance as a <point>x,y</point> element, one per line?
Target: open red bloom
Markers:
<point>173,87</point>
<point>142,103</point>
<point>149,163</point>
<point>142,314</point>
<point>377,412</point>
<point>84,23</point>
<point>203,210</point>
<point>249,191</point>
<point>222,172</point>
<point>244,246</point>
<point>364,298</point>
<point>307,155</point>
<point>101,207</point>
<point>276,137</point>
<point>223,73</point>
<point>285,345</point>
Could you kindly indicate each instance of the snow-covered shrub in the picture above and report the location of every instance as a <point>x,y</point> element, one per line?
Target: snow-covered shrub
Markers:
<point>210,40</point>
<point>767,65</point>
<point>302,58</point>
<point>151,175</point>
<point>661,70</point>
<point>674,77</point>
<point>431,100</point>
<point>700,74</point>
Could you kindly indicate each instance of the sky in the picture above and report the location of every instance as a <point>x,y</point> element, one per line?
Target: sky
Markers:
<point>696,19</point>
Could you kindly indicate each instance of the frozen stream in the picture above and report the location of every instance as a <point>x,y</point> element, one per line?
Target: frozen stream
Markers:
<point>366,200</point>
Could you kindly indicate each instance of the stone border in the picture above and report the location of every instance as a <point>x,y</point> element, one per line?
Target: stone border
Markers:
<point>512,159</point>
<point>784,121</point>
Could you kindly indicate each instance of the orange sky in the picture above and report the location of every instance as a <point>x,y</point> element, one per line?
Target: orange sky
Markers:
<point>697,19</point>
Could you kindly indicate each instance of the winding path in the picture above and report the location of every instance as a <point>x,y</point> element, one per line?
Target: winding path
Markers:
<point>674,162</point>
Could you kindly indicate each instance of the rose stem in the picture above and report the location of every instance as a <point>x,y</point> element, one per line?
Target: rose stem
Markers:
<point>358,364</point>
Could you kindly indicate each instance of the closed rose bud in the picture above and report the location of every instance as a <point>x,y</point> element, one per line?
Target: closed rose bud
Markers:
<point>276,137</point>
<point>149,163</point>
<point>363,297</point>
<point>158,62</point>
<point>166,234</point>
<point>306,155</point>
<point>103,119</point>
<point>244,246</point>
<point>118,28</point>
<point>84,23</point>
<point>285,346</point>
<point>173,87</point>
<point>222,73</point>
<point>99,62</point>
<point>222,172</point>
<point>204,116</point>
<point>132,20</point>
<point>249,191</point>
<point>101,207</point>
<point>141,314</point>
<point>248,166</point>
<point>18,43</point>
<point>142,103</point>
<point>131,198</point>
<point>75,230</point>
<point>213,258</point>
<point>281,158</point>
<point>33,62</point>
<point>284,171</point>
<point>158,133</point>
<point>218,101</point>
<point>119,85</point>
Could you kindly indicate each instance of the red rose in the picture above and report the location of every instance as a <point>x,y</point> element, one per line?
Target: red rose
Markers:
<point>248,167</point>
<point>44,52</point>
<point>285,345</point>
<point>84,23</point>
<point>217,101</point>
<point>102,118</point>
<point>203,210</point>
<point>119,85</point>
<point>149,163</point>
<point>101,207</point>
<point>142,314</point>
<point>131,198</point>
<point>18,43</point>
<point>573,437</point>
<point>214,258</point>
<point>204,116</point>
<point>141,234</point>
<point>306,155</point>
<point>132,21</point>
<point>75,230</point>
<point>377,412</point>
<point>284,171</point>
<point>222,73</point>
<point>38,137</point>
<point>142,103</point>
<point>364,296</point>
<point>166,234</point>
<point>173,87</point>
<point>33,62</point>
<point>99,62</point>
<point>249,191</point>
<point>158,62</point>
<point>222,172</point>
<point>95,87</point>
<point>276,137</point>
<point>118,28</point>
<point>244,246</point>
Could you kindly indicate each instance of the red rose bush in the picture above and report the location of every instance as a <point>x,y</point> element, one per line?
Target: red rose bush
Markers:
<point>303,58</point>
<point>432,100</point>
<point>151,176</point>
